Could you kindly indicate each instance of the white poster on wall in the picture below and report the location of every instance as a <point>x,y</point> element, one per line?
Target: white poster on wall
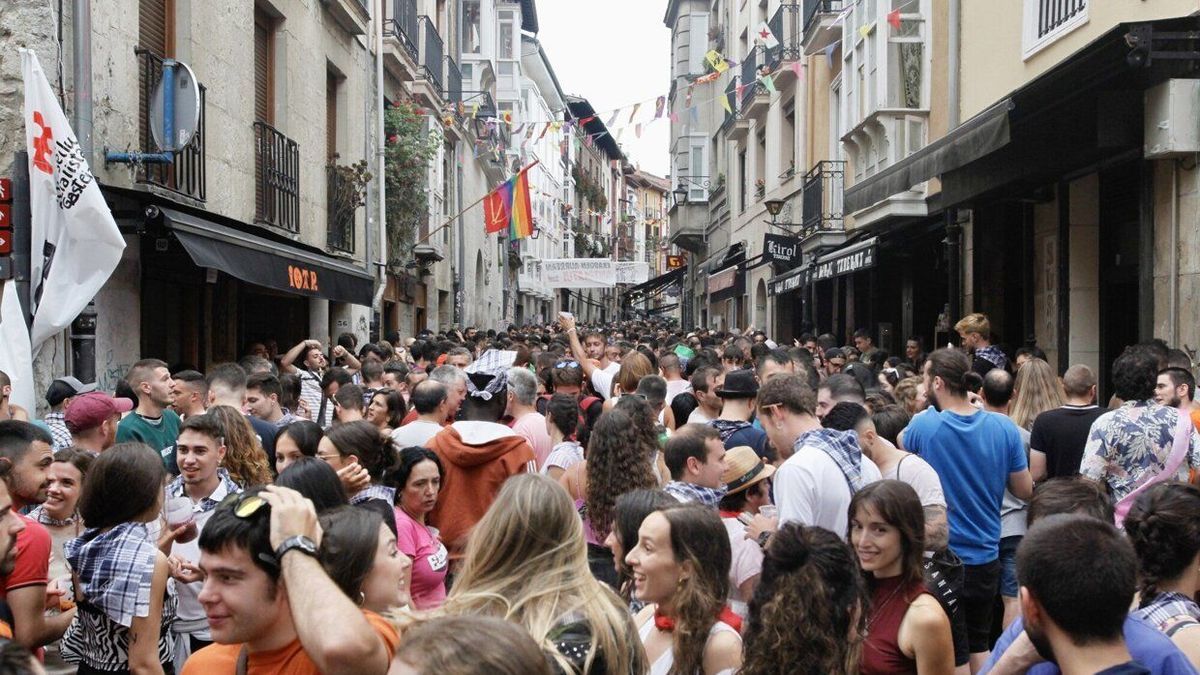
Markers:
<point>633,272</point>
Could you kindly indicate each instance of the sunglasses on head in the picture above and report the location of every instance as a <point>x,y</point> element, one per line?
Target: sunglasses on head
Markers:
<point>567,364</point>
<point>245,506</point>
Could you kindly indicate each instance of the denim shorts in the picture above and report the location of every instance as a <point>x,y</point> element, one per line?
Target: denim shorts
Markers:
<point>1008,565</point>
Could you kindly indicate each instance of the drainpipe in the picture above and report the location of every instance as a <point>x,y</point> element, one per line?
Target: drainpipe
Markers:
<point>368,119</point>
<point>1173,281</point>
<point>954,264</point>
<point>81,75</point>
<point>380,155</point>
<point>952,63</point>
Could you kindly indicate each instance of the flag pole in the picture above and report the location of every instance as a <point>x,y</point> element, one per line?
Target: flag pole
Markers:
<point>468,207</point>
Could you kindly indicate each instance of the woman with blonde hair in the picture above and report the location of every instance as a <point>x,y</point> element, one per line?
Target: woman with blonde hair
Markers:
<point>245,459</point>
<point>908,394</point>
<point>634,366</point>
<point>526,562</point>
<point>1036,390</point>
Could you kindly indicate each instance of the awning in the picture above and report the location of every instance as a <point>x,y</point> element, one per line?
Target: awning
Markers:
<point>853,258</point>
<point>789,281</point>
<point>276,265</point>
<point>982,134</point>
<point>723,258</point>
<point>658,283</point>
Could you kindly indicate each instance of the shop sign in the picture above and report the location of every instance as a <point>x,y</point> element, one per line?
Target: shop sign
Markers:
<point>725,279</point>
<point>302,279</point>
<point>846,263</point>
<point>789,282</point>
<point>781,250</point>
<point>5,189</point>
<point>674,262</point>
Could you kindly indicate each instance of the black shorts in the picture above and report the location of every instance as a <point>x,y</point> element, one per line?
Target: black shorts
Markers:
<point>981,583</point>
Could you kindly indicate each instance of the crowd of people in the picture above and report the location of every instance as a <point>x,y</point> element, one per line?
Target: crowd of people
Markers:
<point>621,499</point>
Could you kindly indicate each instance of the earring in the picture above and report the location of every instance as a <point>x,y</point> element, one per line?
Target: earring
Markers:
<point>362,598</point>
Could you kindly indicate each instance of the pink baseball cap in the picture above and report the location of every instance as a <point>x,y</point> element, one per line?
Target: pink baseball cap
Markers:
<point>90,410</point>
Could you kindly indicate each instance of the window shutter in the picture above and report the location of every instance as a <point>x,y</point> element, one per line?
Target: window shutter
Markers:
<point>331,86</point>
<point>263,68</point>
<point>154,34</point>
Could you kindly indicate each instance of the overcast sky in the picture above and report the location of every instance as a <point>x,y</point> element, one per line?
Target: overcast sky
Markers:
<point>614,53</point>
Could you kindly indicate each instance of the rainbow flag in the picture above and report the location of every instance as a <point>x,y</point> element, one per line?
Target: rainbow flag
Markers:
<point>508,206</point>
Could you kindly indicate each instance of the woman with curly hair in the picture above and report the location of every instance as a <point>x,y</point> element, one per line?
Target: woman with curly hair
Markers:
<point>616,462</point>
<point>526,563</point>
<point>808,612</point>
<point>245,459</point>
<point>648,429</point>
<point>681,570</point>
<point>907,629</point>
<point>1164,527</point>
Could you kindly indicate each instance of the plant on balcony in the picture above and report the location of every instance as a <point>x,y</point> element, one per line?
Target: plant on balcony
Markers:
<point>408,150</point>
<point>347,192</point>
<point>760,188</point>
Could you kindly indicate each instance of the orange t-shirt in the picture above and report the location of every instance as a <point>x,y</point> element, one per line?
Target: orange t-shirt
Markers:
<point>218,659</point>
<point>1194,475</point>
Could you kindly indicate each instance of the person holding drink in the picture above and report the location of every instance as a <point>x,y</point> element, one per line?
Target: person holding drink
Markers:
<point>190,498</point>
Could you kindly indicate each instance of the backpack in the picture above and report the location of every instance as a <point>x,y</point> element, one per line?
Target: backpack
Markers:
<point>590,408</point>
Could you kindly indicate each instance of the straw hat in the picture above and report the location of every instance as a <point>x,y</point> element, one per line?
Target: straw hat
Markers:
<point>743,468</point>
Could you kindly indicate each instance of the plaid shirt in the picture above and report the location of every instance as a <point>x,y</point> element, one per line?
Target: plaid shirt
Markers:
<point>57,424</point>
<point>370,492</point>
<point>690,492</point>
<point>225,487</point>
<point>842,448</point>
<point>114,570</point>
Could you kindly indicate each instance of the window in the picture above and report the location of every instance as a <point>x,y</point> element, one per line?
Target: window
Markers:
<point>1047,20</point>
<point>742,181</point>
<point>506,35</point>
<point>788,157</point>
<point>468,74</point>
<point>837,121</point>
<point>906,64</point>
<point>331,121</point>
<point>472,42</point>
<point>264,67</point>
<point>698,40</point>
<point>699,169</point>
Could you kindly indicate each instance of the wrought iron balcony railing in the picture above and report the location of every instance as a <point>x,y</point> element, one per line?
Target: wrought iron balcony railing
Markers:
<point>823,190</point>
<point>341,201</point>
<point>454,92</point>
<point>749,81</point>
<point>432,52</point>
<point>813,9</point>
<point>403,25</point>
<point>276,178</point>
<point>785,25</point>
<point>186,175</point>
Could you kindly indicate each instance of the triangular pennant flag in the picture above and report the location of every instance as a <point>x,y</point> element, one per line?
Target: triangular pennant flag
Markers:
<point>893,17</point>
<point>695,110</point>
<point>769,82</point>
<point>764,36</point>
<point>688,102</point>
<point>660,104</point>
<point>637,130</point>
<point>519,128</point>
<point>474,110</point>
<point>741,89</point>
<point>724,104</point>
<point>797,68</point>
<point>830,50</point>
<point>613,120</point>
<point>633,114</point>
<point>715,61</point>
<point>544,130</point>
<point>865,30</point>
<point>674,118</point>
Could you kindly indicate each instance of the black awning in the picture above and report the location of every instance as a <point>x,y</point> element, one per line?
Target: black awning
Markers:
<point>657,283</point>
<point>982,134</point>
<point>789,281</point>
<point>260,261</point>
<point>724,258</point>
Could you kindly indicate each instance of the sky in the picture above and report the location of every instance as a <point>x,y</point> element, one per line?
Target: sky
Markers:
<point>614,53</point>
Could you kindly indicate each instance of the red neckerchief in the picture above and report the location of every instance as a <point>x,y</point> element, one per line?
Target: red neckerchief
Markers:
<point>730,514</point>
<point>667,624</point>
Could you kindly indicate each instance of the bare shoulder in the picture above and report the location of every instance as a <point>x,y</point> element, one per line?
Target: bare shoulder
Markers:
<point>723,652</point>
<point>926,613</point>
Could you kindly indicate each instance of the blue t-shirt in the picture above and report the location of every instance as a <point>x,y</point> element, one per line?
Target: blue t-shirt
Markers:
<point>973,455</point>
<point>1146,645</point>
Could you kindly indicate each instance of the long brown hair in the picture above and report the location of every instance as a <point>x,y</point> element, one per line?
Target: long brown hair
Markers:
<point>700,541</point>
<point>899,506</point>
<point>807,613</point>
<point>616,463</point>
<point>245,459</point>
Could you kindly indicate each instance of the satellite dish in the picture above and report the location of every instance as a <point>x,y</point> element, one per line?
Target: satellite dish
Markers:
<point>186,108</point>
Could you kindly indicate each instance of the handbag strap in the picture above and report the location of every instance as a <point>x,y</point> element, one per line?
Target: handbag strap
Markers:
<point>1179,450</point>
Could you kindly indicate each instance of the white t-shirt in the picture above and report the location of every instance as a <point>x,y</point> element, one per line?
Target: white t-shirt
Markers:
<point>602,381</point>
<point>417,432</point>
<point>746,564</point>
<point>698,417</point>
<point>811,489</point>
<point>916,472</point>
<point>675,388</point>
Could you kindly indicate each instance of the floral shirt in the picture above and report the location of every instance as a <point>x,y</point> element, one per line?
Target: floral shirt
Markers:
<point>1129,445</point>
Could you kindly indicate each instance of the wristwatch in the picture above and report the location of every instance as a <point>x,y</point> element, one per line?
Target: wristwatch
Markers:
<point>299,543</point>
<point>763,539</point>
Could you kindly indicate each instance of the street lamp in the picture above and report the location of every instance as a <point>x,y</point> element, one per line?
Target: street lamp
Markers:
<point>681,190</point>
<point>774,207</point>
<point>680,193</point>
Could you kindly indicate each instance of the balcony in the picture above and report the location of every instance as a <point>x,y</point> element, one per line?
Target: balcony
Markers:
<point>430,83</point>
<point>786,25</point>
<point>343,196</point>
<point>401,31</point>
<point>820,24</point>
<point>822,223</point>
<point>735,122</point>
<point>186,175</point>
<point>276,178</point>
<point>755,98</point>
<point>352,15</point>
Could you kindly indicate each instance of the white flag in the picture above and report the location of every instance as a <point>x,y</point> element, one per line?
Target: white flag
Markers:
<point>764,36</point>
<point>76,243</point>
<point>15,358</point>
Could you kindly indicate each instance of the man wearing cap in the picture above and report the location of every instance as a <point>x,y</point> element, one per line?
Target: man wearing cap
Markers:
<point>748,483</point>
<point>59,396</point>
<point>93,418</point>
<point>477,452</point>
<point>738,394</point>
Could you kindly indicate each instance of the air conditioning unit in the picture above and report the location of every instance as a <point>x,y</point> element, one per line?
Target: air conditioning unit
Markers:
<point>1172,119</point>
